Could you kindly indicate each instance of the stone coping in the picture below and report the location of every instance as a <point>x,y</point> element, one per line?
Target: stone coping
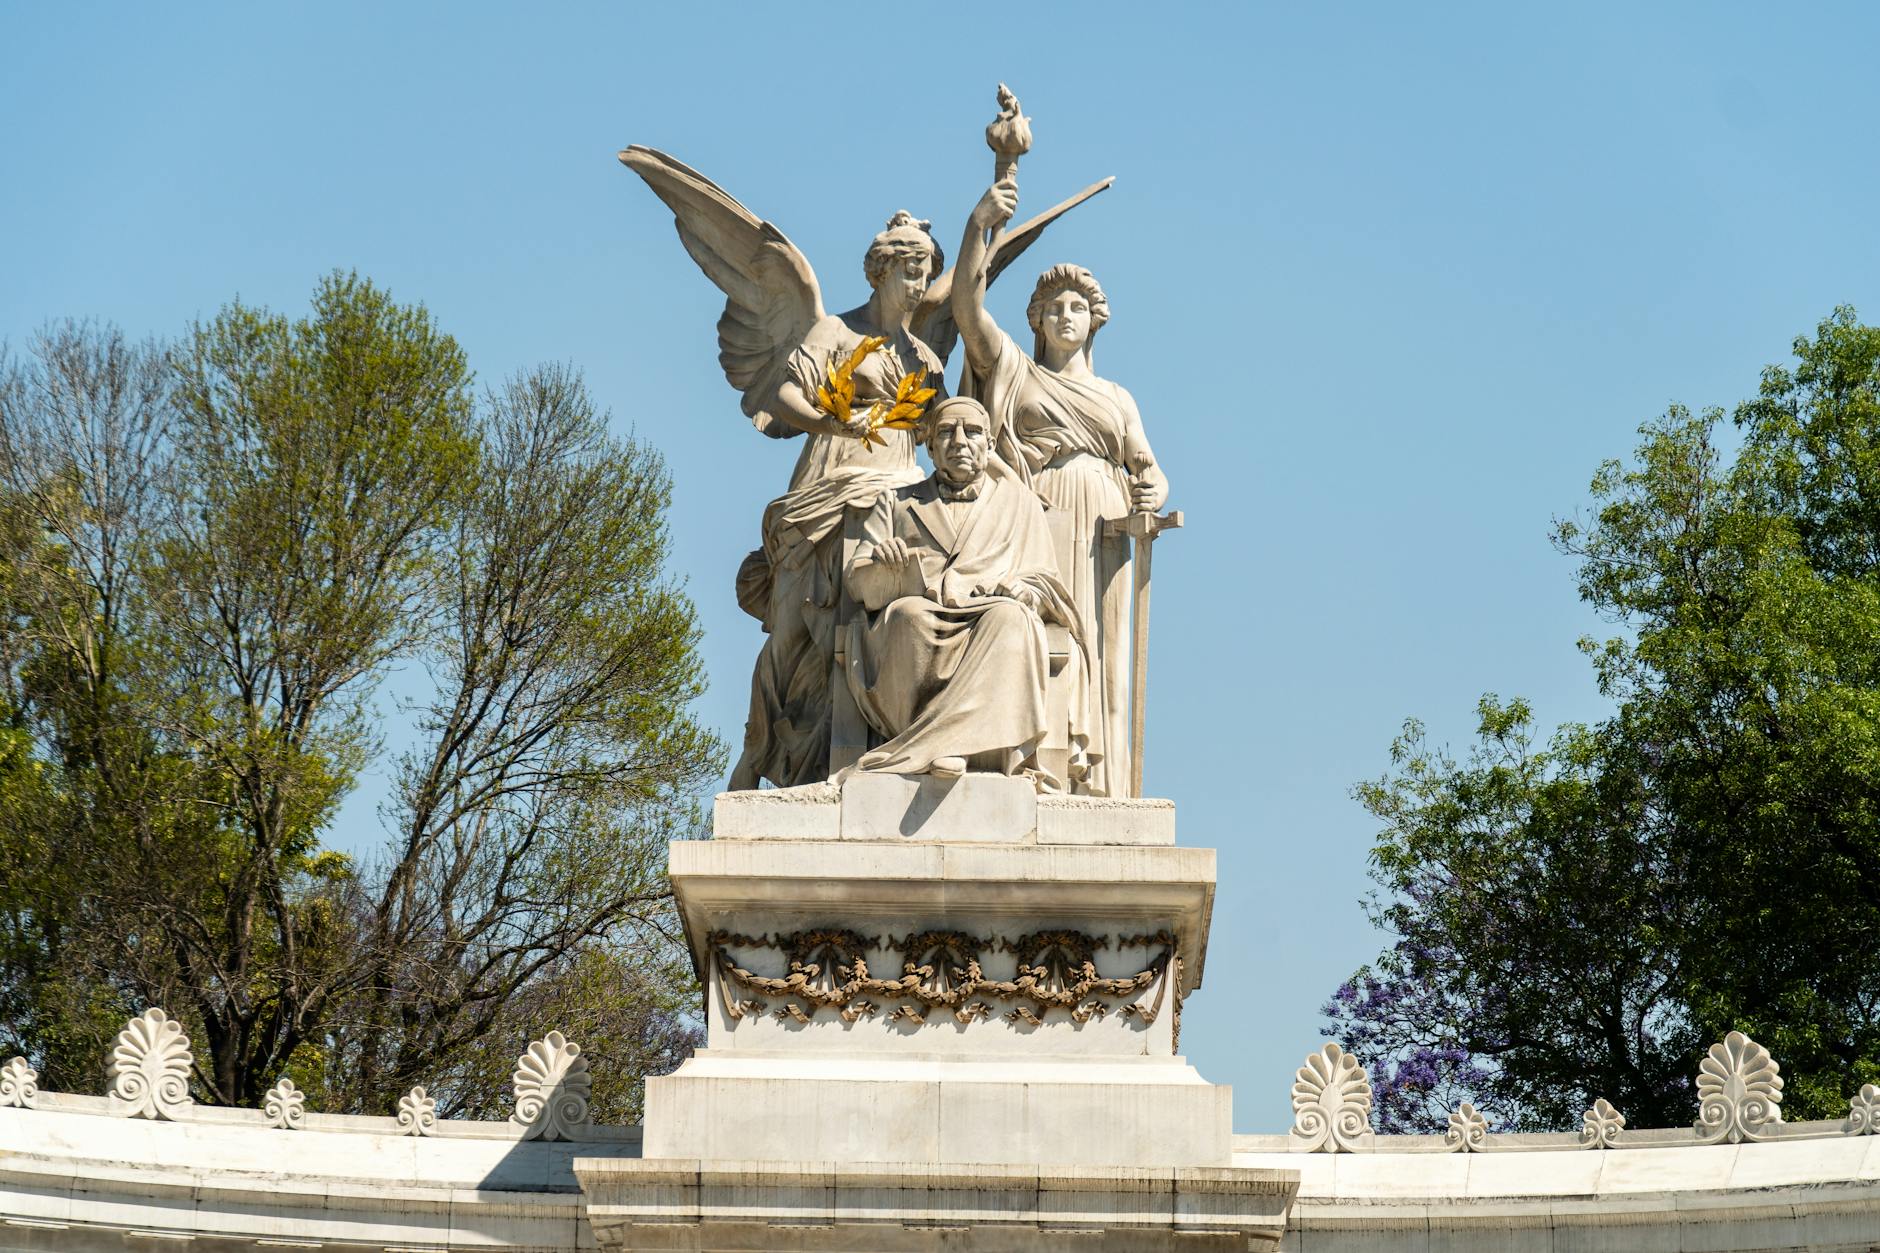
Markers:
<point>625,1138</point>
<point>1795,1194</point>
<point>1407,1177</point>
<point>1553,1141</point>
<point>762,884</point>
<point>507,1131</point>
<point>346,1151</point>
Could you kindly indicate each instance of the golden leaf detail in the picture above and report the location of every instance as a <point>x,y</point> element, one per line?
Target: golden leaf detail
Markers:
<point>910,404</point>
<point>870,343</point>
<point>837,397</point>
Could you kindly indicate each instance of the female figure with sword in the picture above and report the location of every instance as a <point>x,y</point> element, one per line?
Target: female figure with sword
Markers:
<point>1077,438</point>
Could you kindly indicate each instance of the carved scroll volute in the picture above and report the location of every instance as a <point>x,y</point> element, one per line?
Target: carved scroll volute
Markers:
<point>552,1085</point>
<point>285,1106</point>
<point>417,1113</point>
<point>1739,1091</point>
<point>1863,1111</point>
<point>1468,1130</point>
<point>150,1066</point>
<point>1331,1100</point>
<point>1600,1126</point>
<point>19,1084</point>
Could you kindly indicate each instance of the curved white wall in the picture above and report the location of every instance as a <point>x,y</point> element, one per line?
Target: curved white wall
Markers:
<point>76,1176</point>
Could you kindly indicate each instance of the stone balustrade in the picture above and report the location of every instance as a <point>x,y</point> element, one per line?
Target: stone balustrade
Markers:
<point>174,1169</point>
<point>1739,1089</point>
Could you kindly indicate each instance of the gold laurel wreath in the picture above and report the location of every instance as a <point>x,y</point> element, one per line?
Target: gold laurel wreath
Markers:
<point>836,397</point>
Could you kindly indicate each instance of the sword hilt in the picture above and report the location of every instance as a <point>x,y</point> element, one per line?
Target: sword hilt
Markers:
<point>1142,527</point>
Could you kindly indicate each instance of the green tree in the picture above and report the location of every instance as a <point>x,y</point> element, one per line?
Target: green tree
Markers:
<point>632,1018</point>
<point>85,456</point>
<point>555,763</point>
<point>1539,934</point>
<point>1752,588</point>
<point>1743,754</point>
<point>217,554</point>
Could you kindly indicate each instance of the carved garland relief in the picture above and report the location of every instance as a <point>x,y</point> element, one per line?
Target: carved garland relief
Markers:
<point>940,970</point>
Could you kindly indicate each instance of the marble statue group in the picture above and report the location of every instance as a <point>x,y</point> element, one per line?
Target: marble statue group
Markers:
<point>989,616</point>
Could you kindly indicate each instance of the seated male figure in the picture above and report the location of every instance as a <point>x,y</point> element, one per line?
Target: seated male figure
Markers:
<point>959,576</point>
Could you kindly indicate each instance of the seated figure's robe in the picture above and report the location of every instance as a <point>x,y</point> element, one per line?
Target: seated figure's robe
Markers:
<point>947,667</point>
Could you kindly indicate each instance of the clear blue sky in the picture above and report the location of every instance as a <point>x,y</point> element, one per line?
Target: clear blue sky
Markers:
<point>1388,282</point>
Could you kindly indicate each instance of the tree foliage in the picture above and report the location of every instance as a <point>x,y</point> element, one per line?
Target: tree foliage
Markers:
<point>1539,929</point>
<point>215,554</point>
<point>1581,920</point>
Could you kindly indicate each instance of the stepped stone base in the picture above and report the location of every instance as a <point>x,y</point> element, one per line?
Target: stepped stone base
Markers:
<point>941,1014</point>
<point>708,1207</point>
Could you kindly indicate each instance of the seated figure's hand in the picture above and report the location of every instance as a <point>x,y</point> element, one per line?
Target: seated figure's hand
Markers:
<point>1024,595</point>
<point>893,553</point>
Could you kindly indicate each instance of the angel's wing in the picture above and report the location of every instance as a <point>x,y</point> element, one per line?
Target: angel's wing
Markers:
<point>933,321</point>
<point>771,297</point>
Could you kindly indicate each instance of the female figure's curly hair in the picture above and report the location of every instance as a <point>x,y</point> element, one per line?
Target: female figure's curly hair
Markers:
<point>1062,278</point>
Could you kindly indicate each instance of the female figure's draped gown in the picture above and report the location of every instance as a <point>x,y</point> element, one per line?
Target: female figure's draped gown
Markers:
<point>1066,437</point>
<point>792,581</point>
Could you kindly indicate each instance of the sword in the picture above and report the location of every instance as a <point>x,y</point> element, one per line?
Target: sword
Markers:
<point>1142,528</point>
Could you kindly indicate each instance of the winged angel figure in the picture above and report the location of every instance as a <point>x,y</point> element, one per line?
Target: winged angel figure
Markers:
<point>777,346</point>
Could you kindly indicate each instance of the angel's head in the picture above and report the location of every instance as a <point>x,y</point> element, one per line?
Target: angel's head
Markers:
<point>1067,309</point>
<point>905,255</point>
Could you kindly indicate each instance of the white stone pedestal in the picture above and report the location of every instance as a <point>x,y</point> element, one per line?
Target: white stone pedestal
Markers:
<point>955,992</point>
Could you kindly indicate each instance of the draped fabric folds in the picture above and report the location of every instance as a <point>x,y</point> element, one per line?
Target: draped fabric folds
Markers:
<point>950,666</point>
<point>1065,438</point>
<point>790,582</point>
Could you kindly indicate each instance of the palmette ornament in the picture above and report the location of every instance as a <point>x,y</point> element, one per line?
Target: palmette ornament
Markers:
<point>1331,1100</point>
<point>552,1086</point>
<point>286,1106</point>
<point>1739,1091</point>
<point>1468,1129</point>
<point>149,1068</point>
<point>19,1084</point>
<point>417,1113</point>
<point>1863,1111</point>
<point>1600,1125</point>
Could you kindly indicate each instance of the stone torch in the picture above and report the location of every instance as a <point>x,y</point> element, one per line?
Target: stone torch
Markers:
<point>1009,135</point>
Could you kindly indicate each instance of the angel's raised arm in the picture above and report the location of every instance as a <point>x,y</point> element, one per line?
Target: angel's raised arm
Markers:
<point>771,298</point>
